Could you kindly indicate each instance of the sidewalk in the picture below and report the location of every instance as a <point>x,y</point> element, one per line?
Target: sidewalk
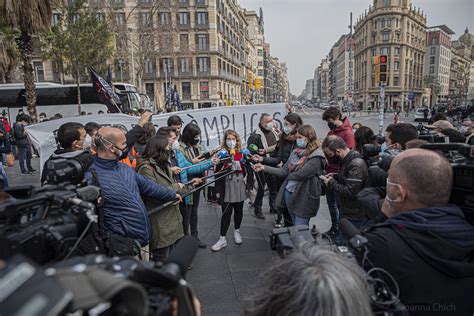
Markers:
<point>221,280</point>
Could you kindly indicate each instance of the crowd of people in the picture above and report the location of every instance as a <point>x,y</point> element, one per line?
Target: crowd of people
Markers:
<point>399,197</point>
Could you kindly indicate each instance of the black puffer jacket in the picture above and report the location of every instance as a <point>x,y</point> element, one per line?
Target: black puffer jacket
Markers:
<point>348,182</point>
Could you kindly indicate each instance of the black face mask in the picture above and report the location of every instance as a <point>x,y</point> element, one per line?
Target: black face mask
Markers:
<point>335,159</point>
<point>332,125</point>
<point>195,141</point>
<point>124,154</point>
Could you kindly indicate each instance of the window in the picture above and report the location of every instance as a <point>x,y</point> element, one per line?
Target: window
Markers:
<point>148,66</point>
<point>184,67</point>
<point>183,18</point>
<point>150,90</point>
<point>432,50</point>
<point>385,51</point>
<point>386,3</point>
<point>260,63</point>
<point>54,19</point>
<point>120,18</point>
<point>146,18</point>
<point>183,1</point>
<point>200,2</point>
<point>431,70</point>
<point>186,90</point>
<point>435,41</point>
<point>396,65</point>
<point>397,51</point>
<point>201,18</point>
<point>204,89</point>
<point>202,41</point>
<point>382,24</point>
<point>121,42</point>
<point>374,52</point>
<point>260,72</point>
<point>432,60</point>
<point>99,16</point>
<point>145,1</point>
<point>203,64</point>
<point>184,42</point>
<point>260,52</point>
<point>396,81</point>
<point>164,18</point>
<point>385,36</point>
<point>389,23</point>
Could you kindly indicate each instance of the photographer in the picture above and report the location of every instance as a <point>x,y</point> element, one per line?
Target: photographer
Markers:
<point>426,244</point>
<point>349,181</point>
<point>74,142</point>
<point>123,210</point>
<point>311,281</point>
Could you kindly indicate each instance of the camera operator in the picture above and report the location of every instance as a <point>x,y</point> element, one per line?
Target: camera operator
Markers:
<point>74,142</point>
<point>311,281</point>
<point>467,131</point>
<point>123,210</point>
<point>426,244</point>
<point>349,181</point>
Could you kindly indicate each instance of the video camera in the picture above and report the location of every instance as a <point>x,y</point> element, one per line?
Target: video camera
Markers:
<point>383,300</point>
<point>461,157</point>
<point>427,134</point>
<point>96,284</point>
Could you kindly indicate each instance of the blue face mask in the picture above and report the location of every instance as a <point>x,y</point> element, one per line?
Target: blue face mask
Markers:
<point>300,143</point>
<point>383,147</point>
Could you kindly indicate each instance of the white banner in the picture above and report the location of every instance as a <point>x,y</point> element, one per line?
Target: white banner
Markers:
<point>213,123</point>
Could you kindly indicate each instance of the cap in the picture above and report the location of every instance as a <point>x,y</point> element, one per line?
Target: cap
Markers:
<point>442,124</point>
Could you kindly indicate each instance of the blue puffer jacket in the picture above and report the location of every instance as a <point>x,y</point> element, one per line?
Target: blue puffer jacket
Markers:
<point>193,171</point>
<point>124,211</point>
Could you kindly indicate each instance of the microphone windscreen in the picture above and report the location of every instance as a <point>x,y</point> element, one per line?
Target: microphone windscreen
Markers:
<point>183,253</point>
<point>253,148</point>
<point>221,154</point>
<point>246,152</point>
<point>348,228</point>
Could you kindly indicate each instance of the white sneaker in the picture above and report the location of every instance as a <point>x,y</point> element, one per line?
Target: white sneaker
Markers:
<point>221,243</point>
<point>237,237</point>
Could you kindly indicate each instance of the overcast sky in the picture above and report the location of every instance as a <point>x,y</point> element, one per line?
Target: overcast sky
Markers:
<point>301,32</point>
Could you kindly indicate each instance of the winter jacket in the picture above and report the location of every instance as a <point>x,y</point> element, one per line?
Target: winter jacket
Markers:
<point>305,199</point>
<point>371,201</point>
<point>345,132</point>
<point>193,171</point>
<point>281,153</point>
<point>258,138</point>
<point>123,210</point>
<point>166,225</point>
<point>430,253</point>
<point>223,166</point>
<point>20,136</point>
<point>348,182</point>
<point>84,157</point>
<point>188,152</point>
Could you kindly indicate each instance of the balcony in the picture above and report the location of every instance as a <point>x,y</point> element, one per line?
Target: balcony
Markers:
<point>201,3</point>
<point>202,26</point>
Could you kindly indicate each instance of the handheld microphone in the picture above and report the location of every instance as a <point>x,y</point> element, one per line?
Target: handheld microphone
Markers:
<point>221,154</point>
<point>253,148</point>
<point>354,236</point>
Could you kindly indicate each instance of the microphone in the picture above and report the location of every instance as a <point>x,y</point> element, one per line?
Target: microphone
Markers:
<point>354,236</point>
<point>181,257</point>
<point>89,193</point>
<point>221,154</point>
<point>253,148</point>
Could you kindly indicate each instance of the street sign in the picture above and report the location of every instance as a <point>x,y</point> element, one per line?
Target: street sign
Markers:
<point>411,96</point>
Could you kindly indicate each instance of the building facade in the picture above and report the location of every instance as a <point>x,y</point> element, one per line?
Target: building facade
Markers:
<point>460,73</point>
<point>396,29</point>
<point>342,76</point>
<point>308,91</point>
<point>438,60</point>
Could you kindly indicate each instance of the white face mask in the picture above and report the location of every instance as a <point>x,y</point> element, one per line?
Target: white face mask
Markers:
<point>87,142</point>
<point>464,130</point>
<point>287,130</point>
<point>270,126</point>
<point>175,145</point>
<point>231,143</point>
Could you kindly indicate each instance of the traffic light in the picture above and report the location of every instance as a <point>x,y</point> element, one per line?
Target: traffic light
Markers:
<point>383,69</point>
<point>258,83</point>
<point>250,81</point>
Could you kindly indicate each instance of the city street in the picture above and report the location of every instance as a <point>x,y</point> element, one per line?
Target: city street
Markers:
<point>222,280</point>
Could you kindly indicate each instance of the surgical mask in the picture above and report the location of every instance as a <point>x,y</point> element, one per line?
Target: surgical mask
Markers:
<point>300,143</point>
<point>464,130</point>
<point>332,125</point>
<point>269,126</point>
<point>354,130</point>
<point>87,142</point>
<point>231,143</point>
<point>287,130</point>
<point>383,147</point>
<point>387,197</point>
<point>175,145</point>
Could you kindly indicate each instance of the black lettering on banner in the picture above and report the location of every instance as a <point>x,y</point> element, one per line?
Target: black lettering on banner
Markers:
<point>245,128</point>
<point>233,121</point>
<point>193,121</point>
<point>276,117</point>
<point>226,126</point>
<point>211,126</point>
<point>251,121</point>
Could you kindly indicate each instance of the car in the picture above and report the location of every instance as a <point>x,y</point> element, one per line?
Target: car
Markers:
<point>324,106</point>
<point>420,114</point>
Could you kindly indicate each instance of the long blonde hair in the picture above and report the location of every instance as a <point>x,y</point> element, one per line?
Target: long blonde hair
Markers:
<point>238,146</point>
<point>309,132</point>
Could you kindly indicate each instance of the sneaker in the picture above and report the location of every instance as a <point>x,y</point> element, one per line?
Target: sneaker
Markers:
<point>26,173</point>
<point>221,243</point>
<point>278,225</point>
<point>237,237</point>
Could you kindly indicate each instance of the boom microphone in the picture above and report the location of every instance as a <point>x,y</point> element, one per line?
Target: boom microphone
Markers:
<point>181,257</point>
<point>354,236</point>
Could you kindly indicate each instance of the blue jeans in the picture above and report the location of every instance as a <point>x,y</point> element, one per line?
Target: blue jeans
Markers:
<point>360,224</point>
<point>333,209</point>
<point>297,220</point>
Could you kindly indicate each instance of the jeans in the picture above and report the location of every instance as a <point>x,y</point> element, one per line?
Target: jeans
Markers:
<point>360,224</point>
<point>333,208</point>
<point>25,156</point>
<point>297,220</point>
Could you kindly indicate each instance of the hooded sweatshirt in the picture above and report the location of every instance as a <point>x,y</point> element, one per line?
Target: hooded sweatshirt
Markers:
<point>345,132</point>
<point>430,253</point>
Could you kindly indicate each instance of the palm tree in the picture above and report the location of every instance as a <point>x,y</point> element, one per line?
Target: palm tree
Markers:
<point>433,84</point>
<point>28,17</point>
<point>8,54</point>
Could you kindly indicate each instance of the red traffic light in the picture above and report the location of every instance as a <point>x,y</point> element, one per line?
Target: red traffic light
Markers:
<point>383,59</point>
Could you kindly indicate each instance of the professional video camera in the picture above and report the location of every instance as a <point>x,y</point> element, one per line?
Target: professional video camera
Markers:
<point>429,135</point>
<point>96,284</point>
<point>461,157</point>
<point>383,300</point>
<point>48,223</point>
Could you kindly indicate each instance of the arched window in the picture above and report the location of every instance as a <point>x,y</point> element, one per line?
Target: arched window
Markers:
<point>382,24</point>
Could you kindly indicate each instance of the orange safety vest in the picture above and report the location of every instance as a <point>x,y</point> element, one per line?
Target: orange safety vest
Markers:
<point>131,159</point>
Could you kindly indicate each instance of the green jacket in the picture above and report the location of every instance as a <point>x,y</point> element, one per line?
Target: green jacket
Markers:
<point>166,225</point>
